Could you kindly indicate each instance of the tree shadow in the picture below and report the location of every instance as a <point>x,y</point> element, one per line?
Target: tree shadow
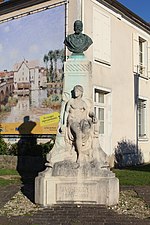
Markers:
<point>127,154</point>
<point>30,158</point>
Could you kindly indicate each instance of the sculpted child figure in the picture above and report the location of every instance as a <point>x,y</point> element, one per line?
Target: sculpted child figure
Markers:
<point>78,121</point>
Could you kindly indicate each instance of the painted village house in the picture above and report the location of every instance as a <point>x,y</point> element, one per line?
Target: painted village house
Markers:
<point>120,57</point>
<point>28,75</point>
<point>6,85</point>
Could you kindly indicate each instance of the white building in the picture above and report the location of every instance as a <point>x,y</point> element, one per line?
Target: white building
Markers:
<point>120,57</point>
<point>29,75</point>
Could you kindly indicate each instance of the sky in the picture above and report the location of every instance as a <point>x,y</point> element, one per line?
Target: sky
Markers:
<point>31,37</point>
<point>139,7</point>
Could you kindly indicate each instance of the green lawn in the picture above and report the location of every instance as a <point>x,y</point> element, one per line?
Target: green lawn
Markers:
<point>4,182</point>
<point>9,180</point>
<point>8,172</point>
<point>137,175</point>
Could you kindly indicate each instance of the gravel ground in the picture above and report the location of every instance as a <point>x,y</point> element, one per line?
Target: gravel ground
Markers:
<point>129,204</point>
<point>19,205</point>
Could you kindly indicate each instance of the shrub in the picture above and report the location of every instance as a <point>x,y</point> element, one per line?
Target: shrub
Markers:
<point>13,149</point>
<point>46,147</point>
<point>127,154</point>
<point>27,147</point>
<point>3,147</point>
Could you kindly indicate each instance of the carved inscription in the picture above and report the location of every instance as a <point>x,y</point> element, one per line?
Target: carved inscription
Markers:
<point>75,192</point>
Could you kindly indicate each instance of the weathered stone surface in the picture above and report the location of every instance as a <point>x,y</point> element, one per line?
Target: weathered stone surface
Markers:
<point>66,183</point>
<point>67,168</point>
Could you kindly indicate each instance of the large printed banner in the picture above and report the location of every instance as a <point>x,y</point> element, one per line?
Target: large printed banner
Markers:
<point>31,72</point>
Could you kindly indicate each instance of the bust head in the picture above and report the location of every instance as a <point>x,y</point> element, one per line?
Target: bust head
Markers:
<point>78,26</point>
<point>78,42</point>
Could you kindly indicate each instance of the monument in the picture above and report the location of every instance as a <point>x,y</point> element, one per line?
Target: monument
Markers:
<point>77,167</point>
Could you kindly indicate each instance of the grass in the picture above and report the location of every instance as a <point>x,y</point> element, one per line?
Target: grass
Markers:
<point>10,179</point>
<point>4,182</point>
<point>8,172</point>
<point>136,175</point>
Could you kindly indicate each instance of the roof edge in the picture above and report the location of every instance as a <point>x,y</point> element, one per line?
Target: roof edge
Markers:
<point>126,13</point>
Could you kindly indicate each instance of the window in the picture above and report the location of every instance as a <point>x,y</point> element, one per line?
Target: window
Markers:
<point>141,56</point>
<point>142,118</point>
<point>103,110</point>
<point>99,109</point>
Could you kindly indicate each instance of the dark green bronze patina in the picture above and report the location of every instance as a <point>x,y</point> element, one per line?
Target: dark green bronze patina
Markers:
<point>78,42</point>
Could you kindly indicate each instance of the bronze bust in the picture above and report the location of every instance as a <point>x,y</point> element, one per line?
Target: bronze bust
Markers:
<point>78,42</point>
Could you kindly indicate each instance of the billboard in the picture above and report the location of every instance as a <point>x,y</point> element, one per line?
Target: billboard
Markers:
<point>31,71</point>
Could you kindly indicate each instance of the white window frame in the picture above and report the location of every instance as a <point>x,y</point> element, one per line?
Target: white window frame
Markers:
<point>99,109</point>
<point>105,139</point>
<point>101,105</point>
<point>141,55</point>
<point>142,118</point>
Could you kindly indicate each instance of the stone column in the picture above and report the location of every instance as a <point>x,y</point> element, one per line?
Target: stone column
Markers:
<point>78,71</point>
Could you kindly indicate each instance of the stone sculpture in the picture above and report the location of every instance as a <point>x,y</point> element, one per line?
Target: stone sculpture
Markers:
<point>78,135</point>
<point>79,120</point>
<point>78,42</point>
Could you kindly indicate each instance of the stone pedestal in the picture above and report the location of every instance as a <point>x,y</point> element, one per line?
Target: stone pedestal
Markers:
<point>67,184</point>
<point>77,71</point>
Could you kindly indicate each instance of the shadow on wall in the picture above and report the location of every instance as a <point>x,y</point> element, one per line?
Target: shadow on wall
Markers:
<point>127,154</point>
<point>31,157</point>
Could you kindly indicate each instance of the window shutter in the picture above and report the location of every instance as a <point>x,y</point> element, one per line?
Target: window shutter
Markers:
<point>148,61</point>
<point>135,52</point>
<point>101,36</point>
<point>97,37</point>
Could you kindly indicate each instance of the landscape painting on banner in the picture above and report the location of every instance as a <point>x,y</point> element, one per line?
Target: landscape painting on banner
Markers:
<point>31,72</point>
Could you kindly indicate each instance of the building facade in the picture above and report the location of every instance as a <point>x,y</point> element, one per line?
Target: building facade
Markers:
<point>120,57</point>
<point>28,75</point>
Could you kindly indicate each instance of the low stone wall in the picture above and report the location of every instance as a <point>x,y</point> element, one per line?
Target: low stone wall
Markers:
<point>22,163</point>
<point>8,162</point>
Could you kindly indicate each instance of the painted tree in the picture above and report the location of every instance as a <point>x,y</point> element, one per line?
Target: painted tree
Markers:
<point>53,57</point>
<point>62,55</point>
<point>46,59</point>
<point>56,56</point>
<point>50,56</point>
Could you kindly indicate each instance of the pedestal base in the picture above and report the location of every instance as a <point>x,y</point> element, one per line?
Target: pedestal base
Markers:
<point>102,189</point>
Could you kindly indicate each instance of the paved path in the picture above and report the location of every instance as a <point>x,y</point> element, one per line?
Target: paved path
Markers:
<point>6,193</point>
<point>73,214</point>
